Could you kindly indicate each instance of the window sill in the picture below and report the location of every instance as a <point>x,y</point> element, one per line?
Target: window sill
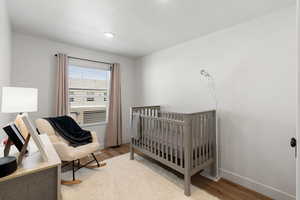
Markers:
<point>94,124</point>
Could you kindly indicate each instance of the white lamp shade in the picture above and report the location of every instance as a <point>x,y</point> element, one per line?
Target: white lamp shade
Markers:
<point>19,99</point>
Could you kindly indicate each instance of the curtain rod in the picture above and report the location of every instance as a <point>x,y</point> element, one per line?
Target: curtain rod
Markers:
<point>96,61</point>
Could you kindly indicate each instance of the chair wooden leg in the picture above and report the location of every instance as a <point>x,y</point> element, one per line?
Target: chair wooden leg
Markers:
<point>95,159</point>
<point>64,182</point>
<point>73,169</point>
<point>74,181</point>
<point>95,166</point>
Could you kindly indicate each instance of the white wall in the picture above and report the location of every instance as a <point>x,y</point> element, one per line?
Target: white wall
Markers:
<point>5,56</point>
<point>254,66</point>
<point>34,66</point>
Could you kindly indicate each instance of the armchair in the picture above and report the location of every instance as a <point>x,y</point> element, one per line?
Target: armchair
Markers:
<point>68,153</point>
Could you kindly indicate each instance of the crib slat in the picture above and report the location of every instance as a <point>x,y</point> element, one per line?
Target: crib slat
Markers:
<point>141,130</point>
<point>154,139</point>
<point>142,133</point>
<point>158,139</point>
<point>163,139</point>
<point>181,148</point>
<point>206,141</point>
<point>153,143</point>
<point>193,157</point>
<point>150,133</point>
<point>171,140</point>
<point>145,133</point>
<point>208,137</point>
<point>176,146</point>
<point>196,125</point>
<point>202,139</point>
<point>151,122</point>
<point>196,141</point>
<point>211,135</point>
<point>156,145</point>
<point>167,141</point>
<point>205,138</point>
<point>199,138</point>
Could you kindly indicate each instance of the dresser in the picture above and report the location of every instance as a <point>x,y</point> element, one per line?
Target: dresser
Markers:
<point>35,179</point>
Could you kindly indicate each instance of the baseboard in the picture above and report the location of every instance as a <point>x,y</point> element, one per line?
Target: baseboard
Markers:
<point>256,186</point>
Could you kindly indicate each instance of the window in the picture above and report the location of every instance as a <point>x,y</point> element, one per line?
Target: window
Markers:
<point>88,93</point>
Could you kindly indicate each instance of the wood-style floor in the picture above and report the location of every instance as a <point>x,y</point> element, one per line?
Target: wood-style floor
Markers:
<point>222,189</point>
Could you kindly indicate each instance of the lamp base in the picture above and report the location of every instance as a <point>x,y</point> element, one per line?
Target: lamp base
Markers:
<point>8,165</point>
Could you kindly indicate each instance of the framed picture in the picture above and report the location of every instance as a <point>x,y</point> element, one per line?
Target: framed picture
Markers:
<point>35,136</point>
<point>15,135</point>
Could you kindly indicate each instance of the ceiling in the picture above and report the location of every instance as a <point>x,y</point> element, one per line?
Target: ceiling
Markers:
<point>140,26</point>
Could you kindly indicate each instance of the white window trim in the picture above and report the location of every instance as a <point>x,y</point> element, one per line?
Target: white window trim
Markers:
<point>92,65</point>
<point>89,64</point>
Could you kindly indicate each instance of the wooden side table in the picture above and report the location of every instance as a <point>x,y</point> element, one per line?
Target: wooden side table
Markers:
<point>34,179</point>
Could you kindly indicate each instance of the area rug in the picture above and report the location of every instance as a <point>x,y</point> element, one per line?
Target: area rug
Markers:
<point>124,179</point>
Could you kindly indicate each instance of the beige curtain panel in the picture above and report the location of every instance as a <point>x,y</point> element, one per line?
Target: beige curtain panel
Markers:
<point>114,126</point>
<point>62,93</point>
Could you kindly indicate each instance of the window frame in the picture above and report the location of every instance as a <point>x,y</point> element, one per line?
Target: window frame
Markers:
<point>97,66</point>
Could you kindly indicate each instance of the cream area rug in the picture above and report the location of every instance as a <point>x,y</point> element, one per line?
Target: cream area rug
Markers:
<point>124,179</point>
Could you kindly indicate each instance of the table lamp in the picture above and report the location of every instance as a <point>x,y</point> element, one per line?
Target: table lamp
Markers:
<point>19,100</point>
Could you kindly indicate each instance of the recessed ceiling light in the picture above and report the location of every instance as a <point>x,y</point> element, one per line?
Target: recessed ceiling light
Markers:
<point>109,35</point>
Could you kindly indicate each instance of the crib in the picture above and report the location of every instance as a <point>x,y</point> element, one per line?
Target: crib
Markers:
<point>183,142</point>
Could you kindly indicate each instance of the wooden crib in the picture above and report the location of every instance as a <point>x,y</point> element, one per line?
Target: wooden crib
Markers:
<point>184,142</point>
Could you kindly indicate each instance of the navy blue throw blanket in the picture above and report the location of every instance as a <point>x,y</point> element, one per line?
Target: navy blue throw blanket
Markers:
<point>70,130</point>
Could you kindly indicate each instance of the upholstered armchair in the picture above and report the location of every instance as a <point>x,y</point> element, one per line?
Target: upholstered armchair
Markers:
<point>69,153</point>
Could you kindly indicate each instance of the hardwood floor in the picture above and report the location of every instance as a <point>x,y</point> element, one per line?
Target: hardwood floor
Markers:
<point>222,189</point>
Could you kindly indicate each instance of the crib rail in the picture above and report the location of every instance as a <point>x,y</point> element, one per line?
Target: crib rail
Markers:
<point>171,115</point>
<point>146,110</point>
